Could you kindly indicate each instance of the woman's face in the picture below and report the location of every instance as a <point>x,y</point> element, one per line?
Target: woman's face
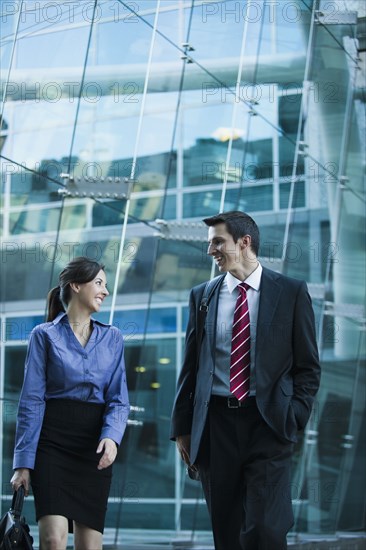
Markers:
<point>92,294</point>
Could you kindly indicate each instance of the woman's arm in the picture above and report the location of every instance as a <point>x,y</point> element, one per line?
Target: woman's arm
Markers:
<point>116,395</point>
<point>31,403</point>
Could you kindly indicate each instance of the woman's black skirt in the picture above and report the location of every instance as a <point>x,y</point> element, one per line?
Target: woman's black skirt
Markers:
<point>65,479</point>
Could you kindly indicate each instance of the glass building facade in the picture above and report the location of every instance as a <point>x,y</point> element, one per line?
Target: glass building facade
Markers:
<point>123,124</point>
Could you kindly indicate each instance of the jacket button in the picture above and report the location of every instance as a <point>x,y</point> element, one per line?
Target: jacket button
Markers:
<point>207,403</point>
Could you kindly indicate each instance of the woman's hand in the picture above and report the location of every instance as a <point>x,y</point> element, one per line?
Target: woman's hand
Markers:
<point>21,477</point>
<point>110,452</point>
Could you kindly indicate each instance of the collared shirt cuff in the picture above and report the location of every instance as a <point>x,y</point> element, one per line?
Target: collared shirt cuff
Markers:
<point>110,433</point>
<point>24,460</point>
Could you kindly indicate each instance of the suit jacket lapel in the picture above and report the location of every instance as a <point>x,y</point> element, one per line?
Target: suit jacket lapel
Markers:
<point>270,292</point>
<point>211,329</point>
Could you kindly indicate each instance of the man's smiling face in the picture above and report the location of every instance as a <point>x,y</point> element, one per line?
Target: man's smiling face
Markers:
<point>221,246</point>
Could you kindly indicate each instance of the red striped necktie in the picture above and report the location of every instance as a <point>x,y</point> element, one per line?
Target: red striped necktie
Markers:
<point>240,346</point>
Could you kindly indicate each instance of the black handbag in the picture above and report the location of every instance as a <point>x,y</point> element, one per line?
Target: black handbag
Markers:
<point>14,532</point>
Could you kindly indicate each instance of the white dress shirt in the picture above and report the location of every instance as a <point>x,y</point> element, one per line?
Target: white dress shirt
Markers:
<point>225,314</point>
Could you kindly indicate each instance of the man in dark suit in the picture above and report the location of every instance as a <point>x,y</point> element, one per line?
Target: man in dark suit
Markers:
<point>241,443</point>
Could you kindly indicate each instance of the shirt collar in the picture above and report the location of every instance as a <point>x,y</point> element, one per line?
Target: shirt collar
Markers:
<point>254,280</point>
<point>59,318</point>
<point>63,314</point>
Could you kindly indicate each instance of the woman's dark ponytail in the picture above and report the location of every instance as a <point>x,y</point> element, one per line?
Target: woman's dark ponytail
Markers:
<point>79,270</point>
<point>54,304</point>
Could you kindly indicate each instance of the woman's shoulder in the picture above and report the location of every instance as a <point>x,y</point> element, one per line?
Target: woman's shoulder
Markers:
<point>49,326</point>
<point>42,327</point>
<point>40,335</point>
<point>110,332</point>
<point>115,333</point>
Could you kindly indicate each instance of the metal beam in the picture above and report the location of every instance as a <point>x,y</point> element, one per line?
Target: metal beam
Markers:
<point>49,84</point>
<point>93,187</point>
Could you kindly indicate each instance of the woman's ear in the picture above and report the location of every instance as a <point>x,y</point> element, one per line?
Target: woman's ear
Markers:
<point>75,287</point>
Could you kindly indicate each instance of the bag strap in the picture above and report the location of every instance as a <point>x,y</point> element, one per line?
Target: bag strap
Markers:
<point>210,288</point>
<point>17,502</point>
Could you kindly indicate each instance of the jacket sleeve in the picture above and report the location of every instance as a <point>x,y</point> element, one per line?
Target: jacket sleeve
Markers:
<point>306,366</point>
<point>181,421</point>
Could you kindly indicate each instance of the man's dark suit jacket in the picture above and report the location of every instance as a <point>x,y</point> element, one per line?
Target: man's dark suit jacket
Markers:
<point>286,363</point>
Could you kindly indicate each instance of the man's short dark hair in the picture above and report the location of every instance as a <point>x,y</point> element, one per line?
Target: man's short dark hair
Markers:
<point>238,225</point>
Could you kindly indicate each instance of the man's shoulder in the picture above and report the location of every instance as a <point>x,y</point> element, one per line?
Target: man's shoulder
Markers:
<point>213,283</point>
<point>283,280</point>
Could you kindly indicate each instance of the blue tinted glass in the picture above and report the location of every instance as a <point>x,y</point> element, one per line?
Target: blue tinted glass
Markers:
<point>201,204</point>
<point>134,322</point>
<point>250,199</point>
<point>19,328</point>
<point>298,199</point>
<point>185,315</point>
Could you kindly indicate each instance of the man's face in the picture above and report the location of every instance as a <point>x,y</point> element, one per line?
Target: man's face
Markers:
<point>221,246</point>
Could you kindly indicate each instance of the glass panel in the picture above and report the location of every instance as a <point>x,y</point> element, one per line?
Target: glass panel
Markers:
<point>123,37</point>
<point>179,173</point>
<point>185,317</point>
<point>179,266</point>
<point>195,514</point>
<point>41,102</point>
<point>289,112</point>
<point>148,456</point>
<point>63,47</point>
<point>137,322</point>
<point>9,18</point>
<point>29,264</point>
<point>298,200</point>
<point>13,378</point>
<point>27,187</point>
<point>206,152</point>
<point>250,199</point>
<point>226,20</point>
<point>292,27</point>
<point>138,514</point>
<point>47,219</point>
<point>201,204</point>
<point>19,328</point>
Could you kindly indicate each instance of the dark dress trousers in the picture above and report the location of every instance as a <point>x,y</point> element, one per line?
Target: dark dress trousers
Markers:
<point>244,454</point>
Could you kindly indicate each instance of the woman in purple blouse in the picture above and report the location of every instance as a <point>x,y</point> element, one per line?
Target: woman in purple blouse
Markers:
<point>72,412</point>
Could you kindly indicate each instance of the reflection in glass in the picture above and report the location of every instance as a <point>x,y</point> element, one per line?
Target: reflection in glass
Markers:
<point>309,207</point>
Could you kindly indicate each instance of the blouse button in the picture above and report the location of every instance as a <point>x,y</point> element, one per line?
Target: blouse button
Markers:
<point>86,371</point>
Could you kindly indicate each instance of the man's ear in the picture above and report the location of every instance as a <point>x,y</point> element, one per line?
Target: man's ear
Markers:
<point>246,241</point>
